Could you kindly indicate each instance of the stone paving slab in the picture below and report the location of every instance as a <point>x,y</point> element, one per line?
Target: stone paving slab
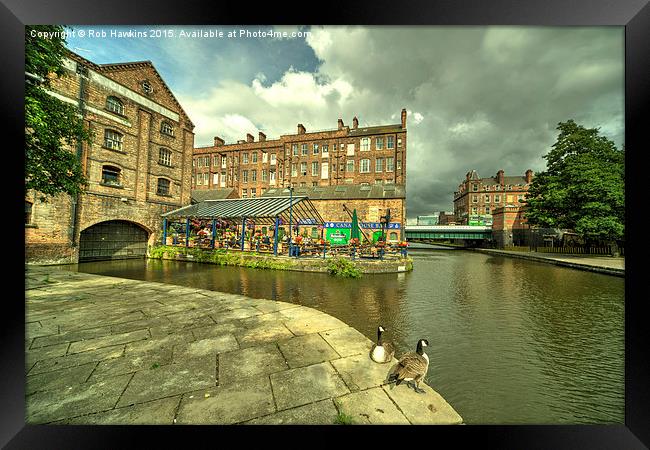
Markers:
<point>250,362</point>
<point>296,387</point>
<point>156,412</point>
<point>237,402</point>
<point>116,351</point>
<point>173,379</point>
<point>372,406</point>
<point>319,413</point>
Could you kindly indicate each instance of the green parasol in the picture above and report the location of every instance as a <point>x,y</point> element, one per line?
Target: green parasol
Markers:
<point>355,226</point>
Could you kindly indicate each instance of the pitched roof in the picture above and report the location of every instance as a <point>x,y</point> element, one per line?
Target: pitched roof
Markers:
<point>344,191</point>
<point>261,210</point>
<point>199,195</point>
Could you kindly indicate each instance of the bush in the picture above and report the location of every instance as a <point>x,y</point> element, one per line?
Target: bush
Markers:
<point>342,267</point>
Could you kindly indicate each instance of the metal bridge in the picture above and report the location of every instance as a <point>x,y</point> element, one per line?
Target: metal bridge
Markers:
<point>447,232</point>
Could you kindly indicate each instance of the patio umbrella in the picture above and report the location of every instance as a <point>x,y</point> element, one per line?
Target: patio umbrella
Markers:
<point>355,226</point>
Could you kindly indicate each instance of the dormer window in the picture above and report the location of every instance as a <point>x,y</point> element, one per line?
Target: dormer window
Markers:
<point>167,128</point>
<point>114,104</point>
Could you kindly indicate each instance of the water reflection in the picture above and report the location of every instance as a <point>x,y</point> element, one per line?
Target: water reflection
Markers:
<point>512,341</point>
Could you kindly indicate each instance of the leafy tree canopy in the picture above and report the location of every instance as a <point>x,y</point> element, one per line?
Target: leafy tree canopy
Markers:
<point>583,188</point>
<point>52,127</point>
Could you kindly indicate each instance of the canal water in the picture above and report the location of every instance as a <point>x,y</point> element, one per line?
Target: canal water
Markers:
<point>511,341</point>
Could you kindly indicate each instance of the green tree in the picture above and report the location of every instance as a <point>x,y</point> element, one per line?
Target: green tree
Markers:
<point>583,188</point>
<point>52,127</point>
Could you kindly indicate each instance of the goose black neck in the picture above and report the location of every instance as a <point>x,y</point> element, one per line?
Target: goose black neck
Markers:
<point>379,336</point>
<point>419,349</point>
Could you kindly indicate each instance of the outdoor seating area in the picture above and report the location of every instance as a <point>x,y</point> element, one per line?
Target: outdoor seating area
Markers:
<point>261,225</point>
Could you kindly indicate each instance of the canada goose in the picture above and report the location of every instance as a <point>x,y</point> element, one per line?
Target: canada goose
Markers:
<point>381,352</point>
<point>412,367</point>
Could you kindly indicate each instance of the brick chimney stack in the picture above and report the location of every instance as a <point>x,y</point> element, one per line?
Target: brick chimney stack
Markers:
<point>301,129</point>
<point>340,124</point>
<point>500,177</point>
<point>218,141</point>
<point>355,123</point>
<point>262,137</point>
<point>249,137</point>
<point>529,176</point>
<point>403,118</point>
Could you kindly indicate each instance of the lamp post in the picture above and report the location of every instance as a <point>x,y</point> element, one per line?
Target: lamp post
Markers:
<point>290,219</point>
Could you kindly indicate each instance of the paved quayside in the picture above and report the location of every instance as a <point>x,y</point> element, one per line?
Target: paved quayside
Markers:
<point>103,350</point>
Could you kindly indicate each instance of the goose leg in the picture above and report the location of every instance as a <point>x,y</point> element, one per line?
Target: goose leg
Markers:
<point>417,388</point>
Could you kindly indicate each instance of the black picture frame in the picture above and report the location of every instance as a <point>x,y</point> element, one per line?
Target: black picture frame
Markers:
<point>634,15</point>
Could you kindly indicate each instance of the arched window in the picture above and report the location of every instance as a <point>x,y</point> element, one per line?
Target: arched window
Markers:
<point>163,186</point>
<point>392,236</point>
<point>28,212</point>
<point>165,156</point>
<point>115,105</point>
<point>113,140</point>
<point>167,128</point>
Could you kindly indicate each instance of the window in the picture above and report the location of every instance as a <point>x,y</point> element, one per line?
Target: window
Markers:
<point>294,148</point>
<point>325,152</point>
<point>244,158</point>
<point>254,157</point>
<point>114,104</point>
<point>244,176</point>
<point>223,162</point>
<point>474,198</point>
<point>474,210</point>
<point>28,212</point>
<point>497,198</point>
<point>365,144</point>
<point>303,168</point>
<point>350,150</point>
<point>379,164</point>
<point>390,142</point>
<point>379,181</point>
<point>389,164</point>
<point>324,170</point>
<point>265,175</point>
<point>399,164</point>
<point>113,140</point>
<point>265,157</point>
<point>244,193</point>
<point>349,165</point>
<point>253,176</point>
<point>165,156</point>
<point>163,187</point>
<point>303,184</point>
<point>314,169</point>
<point>235,159</point>
<point>215,179</point>
<point>487,198</point>
<point>379,143</point>
<point>222,179</point>
<point>294,170</point>
<point>272,176</point>
<point>215,161</point>
<point>273,159</point>
<point>167,128</point>
<point>497,187</point>
<point>147,87</point>
<point>305,151</point>
<point>314,183</point>
<point>315,149</point>
<point>111,175</point>
<point>399,142</point>
<point>364,166</point>
<point>253,192</point>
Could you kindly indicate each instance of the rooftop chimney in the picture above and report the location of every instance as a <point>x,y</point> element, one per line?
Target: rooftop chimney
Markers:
<point>340,124</point>
<point>403,118</point>
<point>500,176</point>
<point>355,123</point>
<point>262,137</point>
<point>529,176</point>
<point>218,141</point>
<point>249,137</point>
<point>301,129</point>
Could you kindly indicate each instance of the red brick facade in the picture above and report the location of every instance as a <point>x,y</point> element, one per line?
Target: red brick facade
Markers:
<point>138,166</point>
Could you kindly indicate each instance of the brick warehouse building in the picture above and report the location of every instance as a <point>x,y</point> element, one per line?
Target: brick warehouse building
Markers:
<point>315,162</point>
<point>481,197</point>
<point>137,167</point>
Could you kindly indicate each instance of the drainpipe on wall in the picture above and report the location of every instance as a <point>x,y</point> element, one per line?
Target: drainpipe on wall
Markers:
<point>74,209</point>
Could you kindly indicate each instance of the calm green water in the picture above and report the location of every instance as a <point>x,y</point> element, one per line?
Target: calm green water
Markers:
<point>511,341</point>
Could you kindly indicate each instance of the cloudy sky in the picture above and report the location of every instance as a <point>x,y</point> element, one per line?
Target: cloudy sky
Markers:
<point>484,98</point>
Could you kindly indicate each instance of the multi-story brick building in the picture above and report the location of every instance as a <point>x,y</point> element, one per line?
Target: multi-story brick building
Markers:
<point>482,196</point>
<point>138,165</point>
<point>314,163</point>
<point>346,155</point>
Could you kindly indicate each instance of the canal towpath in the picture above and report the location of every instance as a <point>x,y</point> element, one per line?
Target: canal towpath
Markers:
<point>595,263</point>
<point>105,350</point>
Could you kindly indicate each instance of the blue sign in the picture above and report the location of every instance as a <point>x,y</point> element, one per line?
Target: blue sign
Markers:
<point>370,225</point>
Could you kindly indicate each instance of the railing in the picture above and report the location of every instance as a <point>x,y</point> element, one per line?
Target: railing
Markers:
<point>595,250</point>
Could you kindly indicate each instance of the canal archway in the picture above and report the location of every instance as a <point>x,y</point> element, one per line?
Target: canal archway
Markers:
<point>113,239</point>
